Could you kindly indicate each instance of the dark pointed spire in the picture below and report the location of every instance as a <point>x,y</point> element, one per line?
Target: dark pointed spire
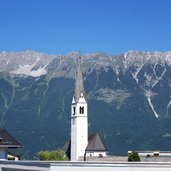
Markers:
<point>79,87</point>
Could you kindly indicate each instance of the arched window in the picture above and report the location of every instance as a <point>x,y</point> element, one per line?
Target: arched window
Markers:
<point>81,110</point>
<point>81,95</point>
<point>74,110</point>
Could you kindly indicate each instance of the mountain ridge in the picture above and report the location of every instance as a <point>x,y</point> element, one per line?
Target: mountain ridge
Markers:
<point>129,97</point>
<point>38,60</point>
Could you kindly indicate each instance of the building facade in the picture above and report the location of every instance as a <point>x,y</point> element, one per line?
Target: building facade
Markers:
<point>7,142</point>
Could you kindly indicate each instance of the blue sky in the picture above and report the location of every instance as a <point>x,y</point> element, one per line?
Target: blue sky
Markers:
<point>61,26</point>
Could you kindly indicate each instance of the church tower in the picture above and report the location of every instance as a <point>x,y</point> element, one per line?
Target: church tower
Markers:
<point>79,121</point>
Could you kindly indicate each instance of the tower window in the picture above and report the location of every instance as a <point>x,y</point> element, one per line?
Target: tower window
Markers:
<point>81,95</point>
<point>81,110</point>
<point>74,110</point>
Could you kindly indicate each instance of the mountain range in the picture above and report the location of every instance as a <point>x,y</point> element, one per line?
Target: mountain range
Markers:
<point>129,99</point>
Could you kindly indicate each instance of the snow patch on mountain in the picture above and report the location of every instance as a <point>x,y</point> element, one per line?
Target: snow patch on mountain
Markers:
<point>23,70</point>
<point>38,73</point>
<point>27,70</point>
<point>149,94</point>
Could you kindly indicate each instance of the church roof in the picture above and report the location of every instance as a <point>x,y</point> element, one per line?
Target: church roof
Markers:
<point>95,143</point>
<point>67,149</point>
<point>79,87</point>
<point>6,140</point>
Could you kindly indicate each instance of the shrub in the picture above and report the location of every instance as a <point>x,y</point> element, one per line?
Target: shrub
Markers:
<point>133,156</point>
<point>57,155</point>
<point>11,158</point>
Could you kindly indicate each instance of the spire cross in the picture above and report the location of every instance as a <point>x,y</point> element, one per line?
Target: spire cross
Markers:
<point>79,59</point>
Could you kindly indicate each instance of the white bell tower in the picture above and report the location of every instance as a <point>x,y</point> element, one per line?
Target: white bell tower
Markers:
<point>79,121</point>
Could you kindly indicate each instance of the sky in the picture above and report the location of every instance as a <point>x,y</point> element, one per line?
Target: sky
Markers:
<point>61,26</point>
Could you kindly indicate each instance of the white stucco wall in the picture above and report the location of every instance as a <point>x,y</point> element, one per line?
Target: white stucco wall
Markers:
<point>96,154</point>
<point>110,167</point>
<point>152,153</point>
<point>79,129</point>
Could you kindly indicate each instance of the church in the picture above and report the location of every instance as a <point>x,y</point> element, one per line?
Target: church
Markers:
<point>82,144</point>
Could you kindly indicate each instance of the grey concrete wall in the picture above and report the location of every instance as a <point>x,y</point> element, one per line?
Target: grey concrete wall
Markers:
<point>24,166</point>
<point>3,153</point>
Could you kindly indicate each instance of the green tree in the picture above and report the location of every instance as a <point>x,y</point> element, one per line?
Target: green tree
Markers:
<point>57,155</point>
<point>133,156</point>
